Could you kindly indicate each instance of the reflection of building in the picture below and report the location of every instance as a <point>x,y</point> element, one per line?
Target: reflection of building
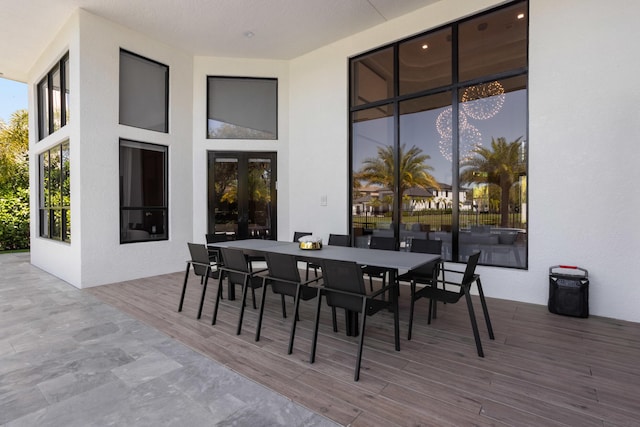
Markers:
<point>375,199</point>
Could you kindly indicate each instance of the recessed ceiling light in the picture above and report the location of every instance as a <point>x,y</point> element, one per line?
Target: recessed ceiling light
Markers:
<point>520,15</point>
<point>425,46</point>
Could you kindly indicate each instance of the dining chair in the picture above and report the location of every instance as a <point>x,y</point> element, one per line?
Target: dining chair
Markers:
<point>334,240</point>
<point>469,276</point>
<point>202,267</point>
<point>284,280</point>
<point>238,272</point>
<point>298,234</point>
<point>384,243</point>
<point>426,274</point>
<point>344,288</point>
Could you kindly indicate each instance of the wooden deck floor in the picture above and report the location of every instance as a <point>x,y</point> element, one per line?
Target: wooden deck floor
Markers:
<point>541,370</point>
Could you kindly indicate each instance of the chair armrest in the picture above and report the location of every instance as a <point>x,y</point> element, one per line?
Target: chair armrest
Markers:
<point>202,264</point>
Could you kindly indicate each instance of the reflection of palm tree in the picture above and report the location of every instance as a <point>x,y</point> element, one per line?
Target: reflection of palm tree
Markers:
<point>501,165</point>
<point>413,170</point>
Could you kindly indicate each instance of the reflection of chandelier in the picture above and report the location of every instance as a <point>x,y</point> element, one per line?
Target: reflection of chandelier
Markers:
<point>470,138</point>
<point>444,122</point>
<point>483,101</point>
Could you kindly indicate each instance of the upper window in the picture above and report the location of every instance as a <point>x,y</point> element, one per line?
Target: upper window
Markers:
<point>53,99</point>
<point>143,191</point>
<point>144,93</point>
<point>242,108</point>
<point>55,194</point>
<point>439,138</point>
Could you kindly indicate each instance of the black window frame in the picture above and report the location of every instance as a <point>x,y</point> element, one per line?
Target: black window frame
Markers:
<point>45,108</point>
<point>48,210</point>
<point>157,231</point>
<point>165,128</point>
<point>355,106</point>
<point>241,78</point>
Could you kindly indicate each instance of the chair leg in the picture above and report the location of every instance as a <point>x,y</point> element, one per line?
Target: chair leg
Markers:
<point>264,294</point>
<point>184,286</point>
<point>218,297</point>
<point>356,376</point>
<point>306,275</point>
<point>284,307</point>
<point>413,303</point>
<point>334,319</point>
<point>485,309</point>
<point>474,324</point>
<point>253,297</point>
<point>395,285</point>
<point>371,283</point>
<point>245,285</point>
<point>296,304</point>
<point>314,341</point>
<point>204,291</point>
<point>430,311</point>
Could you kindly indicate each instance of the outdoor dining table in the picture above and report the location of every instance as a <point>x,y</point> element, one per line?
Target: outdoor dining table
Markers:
<point>391,260</point>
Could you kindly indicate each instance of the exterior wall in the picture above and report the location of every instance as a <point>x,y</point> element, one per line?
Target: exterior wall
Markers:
<point>582,133</point>
<point>234,67</point>
<point>95,255</point>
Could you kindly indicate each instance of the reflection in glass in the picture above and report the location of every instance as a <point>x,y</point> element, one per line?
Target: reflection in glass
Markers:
<point>372,77</point>
<point>500,36</point>
<point>425,62</point>
<point>259,198</point>
<point>56,100</point>
<point>225,192</point>
<point>43,108</point>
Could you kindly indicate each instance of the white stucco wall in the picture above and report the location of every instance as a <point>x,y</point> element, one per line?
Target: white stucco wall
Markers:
<point>582,134</point>
<point>95,255</point>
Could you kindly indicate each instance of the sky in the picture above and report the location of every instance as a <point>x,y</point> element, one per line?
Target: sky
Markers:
<point>13,96</point>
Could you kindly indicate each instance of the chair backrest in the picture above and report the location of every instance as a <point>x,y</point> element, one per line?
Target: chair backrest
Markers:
<point>285,267</point>
<point>200,254</point>
<point>235,260</point>
<point>425,246</point>
<point>343,276</point>
<point>215,238</point>
<point>470,270</point>
<point>379,242</point>
<point>299,234</point>
<point>339,240</point>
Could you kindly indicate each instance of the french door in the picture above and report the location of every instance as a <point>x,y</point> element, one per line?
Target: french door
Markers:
<point>242,194</point>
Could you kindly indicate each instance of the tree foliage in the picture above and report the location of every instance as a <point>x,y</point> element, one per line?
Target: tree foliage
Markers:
<point>14,182</point>
<point>414,170</point>
<point>502,165</point>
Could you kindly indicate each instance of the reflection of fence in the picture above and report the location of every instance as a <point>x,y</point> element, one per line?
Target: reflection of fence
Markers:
<point>437,220</point>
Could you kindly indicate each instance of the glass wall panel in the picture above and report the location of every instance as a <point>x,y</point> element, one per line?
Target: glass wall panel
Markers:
<point>43,108</point>
<point>493,170</point>
<point>372,77</point>
<point>259,182</point>
<point>425,62</point>
<point>55,195</point>
<point>67,110</point>
<point>223,203</point>
<point>55,99</point>
<point>493,43</point>
<point>373,173</point>
<point>426,174</point>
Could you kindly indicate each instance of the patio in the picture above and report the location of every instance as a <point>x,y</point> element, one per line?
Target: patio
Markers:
<point>542,369</point>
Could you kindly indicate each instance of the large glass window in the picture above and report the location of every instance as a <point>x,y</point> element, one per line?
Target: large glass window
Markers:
<point>439,151</point>
<point>144,92</point>
<point>143,192</point>
<point>55,193</point>
<point>242,108</point>
<point>53,99</point>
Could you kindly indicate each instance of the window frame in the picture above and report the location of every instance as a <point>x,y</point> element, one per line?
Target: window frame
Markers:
<point>147,209</point>
<point>142,58</point>
<point>397,98</point>
<point>48,210</point>
<point>45,107</point>
<point>239,79</point>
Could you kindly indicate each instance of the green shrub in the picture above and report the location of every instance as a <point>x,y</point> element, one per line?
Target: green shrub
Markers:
<point>14,220</point>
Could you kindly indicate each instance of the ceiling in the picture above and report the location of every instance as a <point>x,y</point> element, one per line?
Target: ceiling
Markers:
<point>280,29</point>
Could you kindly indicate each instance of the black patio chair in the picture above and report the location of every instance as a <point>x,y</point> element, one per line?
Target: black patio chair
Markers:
<point>426,275</point>
<point>384,243</point>
<point>434,293</point>
<point>334,240</point>
<point>203,267</point>
<point>284,279</point>
<point>344,288</point>
<point>238,272</point>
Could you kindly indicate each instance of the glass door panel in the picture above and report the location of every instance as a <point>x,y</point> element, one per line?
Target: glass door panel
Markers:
<point>242,195</point>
